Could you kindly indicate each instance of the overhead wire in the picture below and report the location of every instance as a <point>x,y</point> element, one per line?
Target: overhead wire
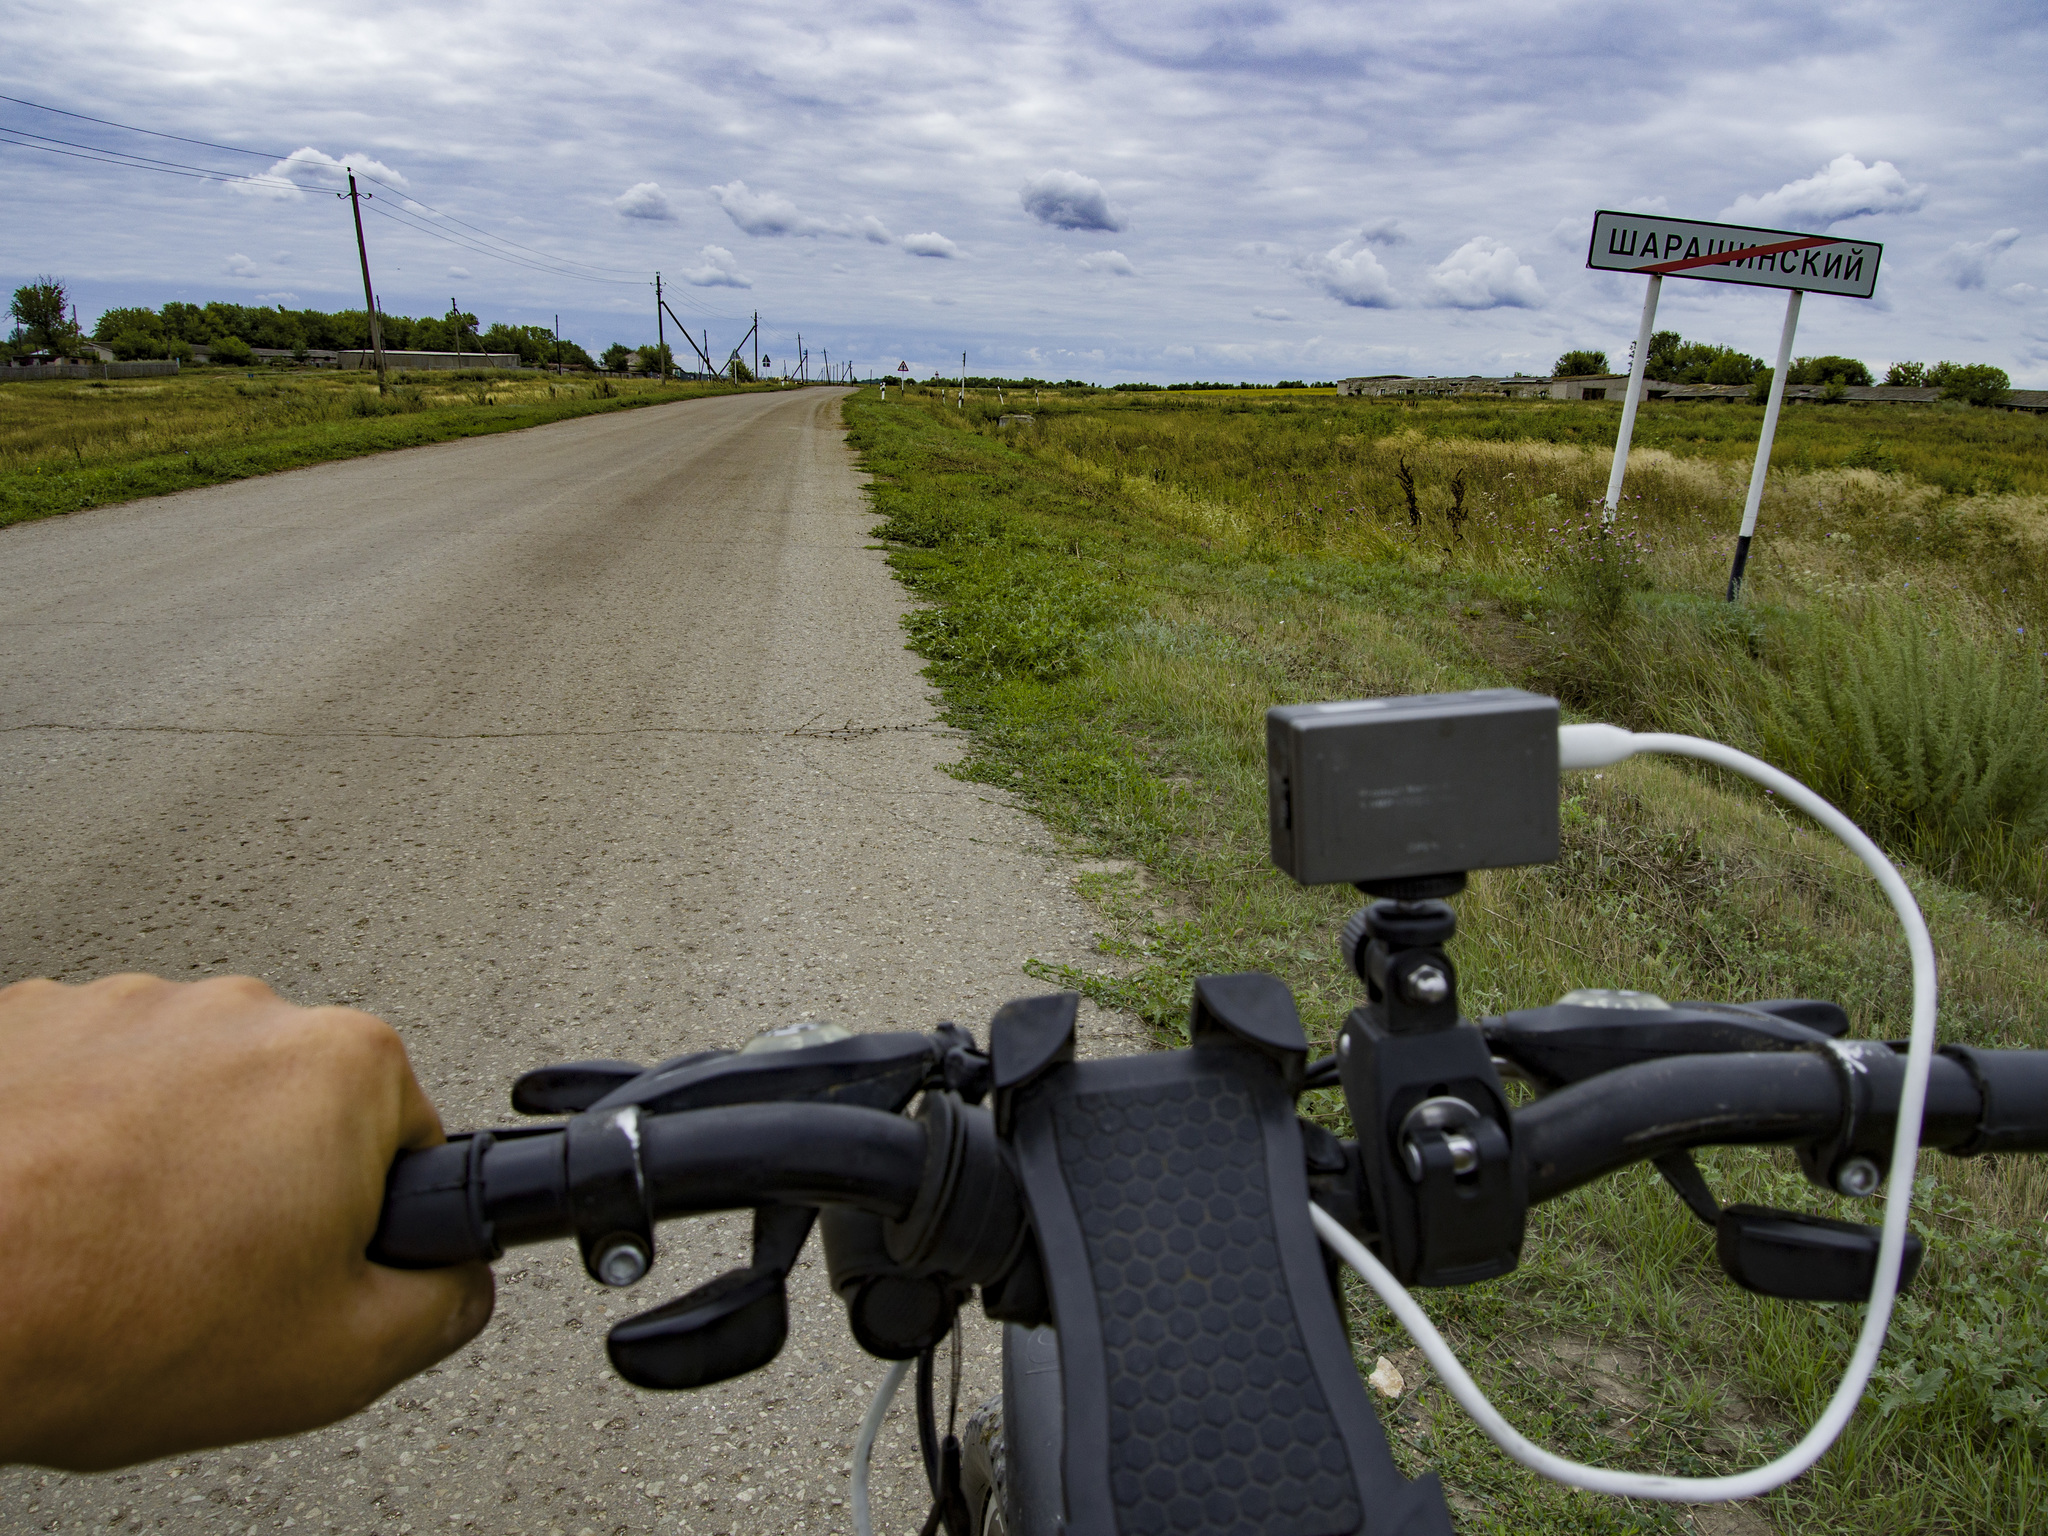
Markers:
<point>261,154</point>
<point>440,213</point>
<point>132,162</point>
<point>548,264</point>
<point>401,217</point>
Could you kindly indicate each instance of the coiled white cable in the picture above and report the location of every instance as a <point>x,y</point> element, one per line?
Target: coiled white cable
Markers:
<point>1595,746</point>
<point>864,1445</point>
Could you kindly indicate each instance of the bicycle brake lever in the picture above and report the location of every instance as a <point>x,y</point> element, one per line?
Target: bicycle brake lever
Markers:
<point>725,1327</point>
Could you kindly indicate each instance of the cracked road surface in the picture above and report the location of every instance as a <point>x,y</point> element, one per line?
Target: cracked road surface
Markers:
<point>597,739</point>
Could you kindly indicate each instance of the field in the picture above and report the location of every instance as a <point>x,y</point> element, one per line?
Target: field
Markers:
<point>1115,592</point>
<point>68,444</point>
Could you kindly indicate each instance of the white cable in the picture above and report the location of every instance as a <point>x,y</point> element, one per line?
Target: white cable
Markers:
<point>1593,746</point>
<point>864,1445</point>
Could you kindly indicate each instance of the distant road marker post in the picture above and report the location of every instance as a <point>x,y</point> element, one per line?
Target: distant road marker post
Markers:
<point>1659,248</point>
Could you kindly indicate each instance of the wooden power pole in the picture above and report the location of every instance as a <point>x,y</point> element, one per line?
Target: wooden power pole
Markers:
<point>660,336</point>
<point>369,294</point>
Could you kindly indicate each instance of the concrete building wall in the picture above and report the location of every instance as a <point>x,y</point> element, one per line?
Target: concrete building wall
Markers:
<point>393,359</point>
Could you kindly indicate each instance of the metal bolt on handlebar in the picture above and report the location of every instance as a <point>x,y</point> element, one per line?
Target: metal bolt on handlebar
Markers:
<point>1449,1118</point>
<point>621,1262</point>
<point>1858,1178</point>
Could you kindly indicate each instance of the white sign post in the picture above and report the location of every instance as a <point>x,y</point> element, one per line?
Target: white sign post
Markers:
<point>1659,247</point>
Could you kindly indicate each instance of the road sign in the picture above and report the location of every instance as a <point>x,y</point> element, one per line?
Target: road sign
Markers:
<point>903,367</point>
<point>1733,253</point>
<point>1656,247</point>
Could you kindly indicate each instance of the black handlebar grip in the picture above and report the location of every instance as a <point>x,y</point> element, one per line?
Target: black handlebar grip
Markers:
<point>2014,1089</point>
<point>433,1208</point>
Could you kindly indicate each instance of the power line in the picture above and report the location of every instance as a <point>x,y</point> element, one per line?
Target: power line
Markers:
<point>401,217</point>
<point>121,158</point>
<point>439,213</point>
<point>261,154</point>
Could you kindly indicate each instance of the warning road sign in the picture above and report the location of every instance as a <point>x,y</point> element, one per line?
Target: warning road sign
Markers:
<point>1733,253</point>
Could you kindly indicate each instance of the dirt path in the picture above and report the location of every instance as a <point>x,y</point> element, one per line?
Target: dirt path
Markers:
<point>593,740</point>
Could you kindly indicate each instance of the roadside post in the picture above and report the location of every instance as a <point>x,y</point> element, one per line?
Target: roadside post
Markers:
<point>369,294</point>
<point>1659,247</point>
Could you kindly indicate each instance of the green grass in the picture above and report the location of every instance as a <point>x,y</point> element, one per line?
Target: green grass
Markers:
<point>66,445</point>
<point>1111,639</point>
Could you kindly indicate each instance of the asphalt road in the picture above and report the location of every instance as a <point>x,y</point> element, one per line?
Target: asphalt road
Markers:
<point>593,740</point>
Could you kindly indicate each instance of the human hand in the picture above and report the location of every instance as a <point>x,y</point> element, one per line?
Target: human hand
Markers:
<point>189,1176</point>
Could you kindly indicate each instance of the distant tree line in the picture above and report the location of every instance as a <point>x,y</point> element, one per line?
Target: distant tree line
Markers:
<point>231,330</point>
<point>1674,360</point>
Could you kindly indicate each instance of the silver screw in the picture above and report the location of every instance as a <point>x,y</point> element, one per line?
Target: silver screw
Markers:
<point>622,1263</point>
<point>1858,1177</point>
<point>1426,986</point>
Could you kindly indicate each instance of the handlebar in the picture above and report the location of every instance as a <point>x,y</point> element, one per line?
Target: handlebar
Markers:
<point>479,1193</point>
<point>1137,1201</point>
<point>1977,1100</point>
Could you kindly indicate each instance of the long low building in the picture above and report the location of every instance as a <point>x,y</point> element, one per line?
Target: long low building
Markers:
<point>392,359</point>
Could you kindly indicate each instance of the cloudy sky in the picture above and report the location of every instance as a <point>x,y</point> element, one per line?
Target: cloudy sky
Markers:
<point>1252,190</point>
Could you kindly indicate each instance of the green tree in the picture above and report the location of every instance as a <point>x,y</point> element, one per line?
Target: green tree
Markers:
<point>618,357</point>
<point>40,309</point>
<point>1579,363</point>
<point>1827,370</point>
<point>1731,367</point>
<point>1975,383</point>
<point>232,352</point>
<point>1906,375</point>
<point>1674,360</point>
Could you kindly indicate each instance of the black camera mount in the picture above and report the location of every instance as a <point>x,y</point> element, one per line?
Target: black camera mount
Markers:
<point>1441,1171</point>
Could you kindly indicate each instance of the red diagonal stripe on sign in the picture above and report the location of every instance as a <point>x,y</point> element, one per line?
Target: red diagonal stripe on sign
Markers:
<point>1804,243</point>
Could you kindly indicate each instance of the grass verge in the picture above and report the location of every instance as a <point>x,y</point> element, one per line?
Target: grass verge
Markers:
<point>67,445</point>
<point>1111,641</point>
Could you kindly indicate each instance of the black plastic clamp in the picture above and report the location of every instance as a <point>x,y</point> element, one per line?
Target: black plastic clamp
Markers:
<point>608,1195</point>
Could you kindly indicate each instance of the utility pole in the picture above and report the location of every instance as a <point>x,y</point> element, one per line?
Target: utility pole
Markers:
<point>757,346</point>
<point>455,312</point>
<point>369,296</point>
<point>705,352</point>
<point>963,381</point>
<point>558,346</point>
<point>660,336</point>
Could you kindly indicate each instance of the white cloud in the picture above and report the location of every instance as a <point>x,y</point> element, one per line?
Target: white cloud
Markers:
<point>277,298</point>
<point>719,270</point>
<point>765,213</point>
<point>645,200</point>
<point>1384,232</point>
<point>1844,188</point>
<point>309,167</point>
<point>1109,261</point>
<point>931,244</point>
<point>874,230</point>
<point>458,272</point>
<point>1967,263</point>
<point>239,265</point>
<point>1485,274</point>
<point>1350,274</point>
<point>1279,316</point>
<point>1069,200</point>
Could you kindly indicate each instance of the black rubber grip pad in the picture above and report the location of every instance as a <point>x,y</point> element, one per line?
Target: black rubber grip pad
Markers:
<point>1208,1383</point>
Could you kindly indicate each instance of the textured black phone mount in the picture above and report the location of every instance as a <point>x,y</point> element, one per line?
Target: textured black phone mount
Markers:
<point>1207,1381</point>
